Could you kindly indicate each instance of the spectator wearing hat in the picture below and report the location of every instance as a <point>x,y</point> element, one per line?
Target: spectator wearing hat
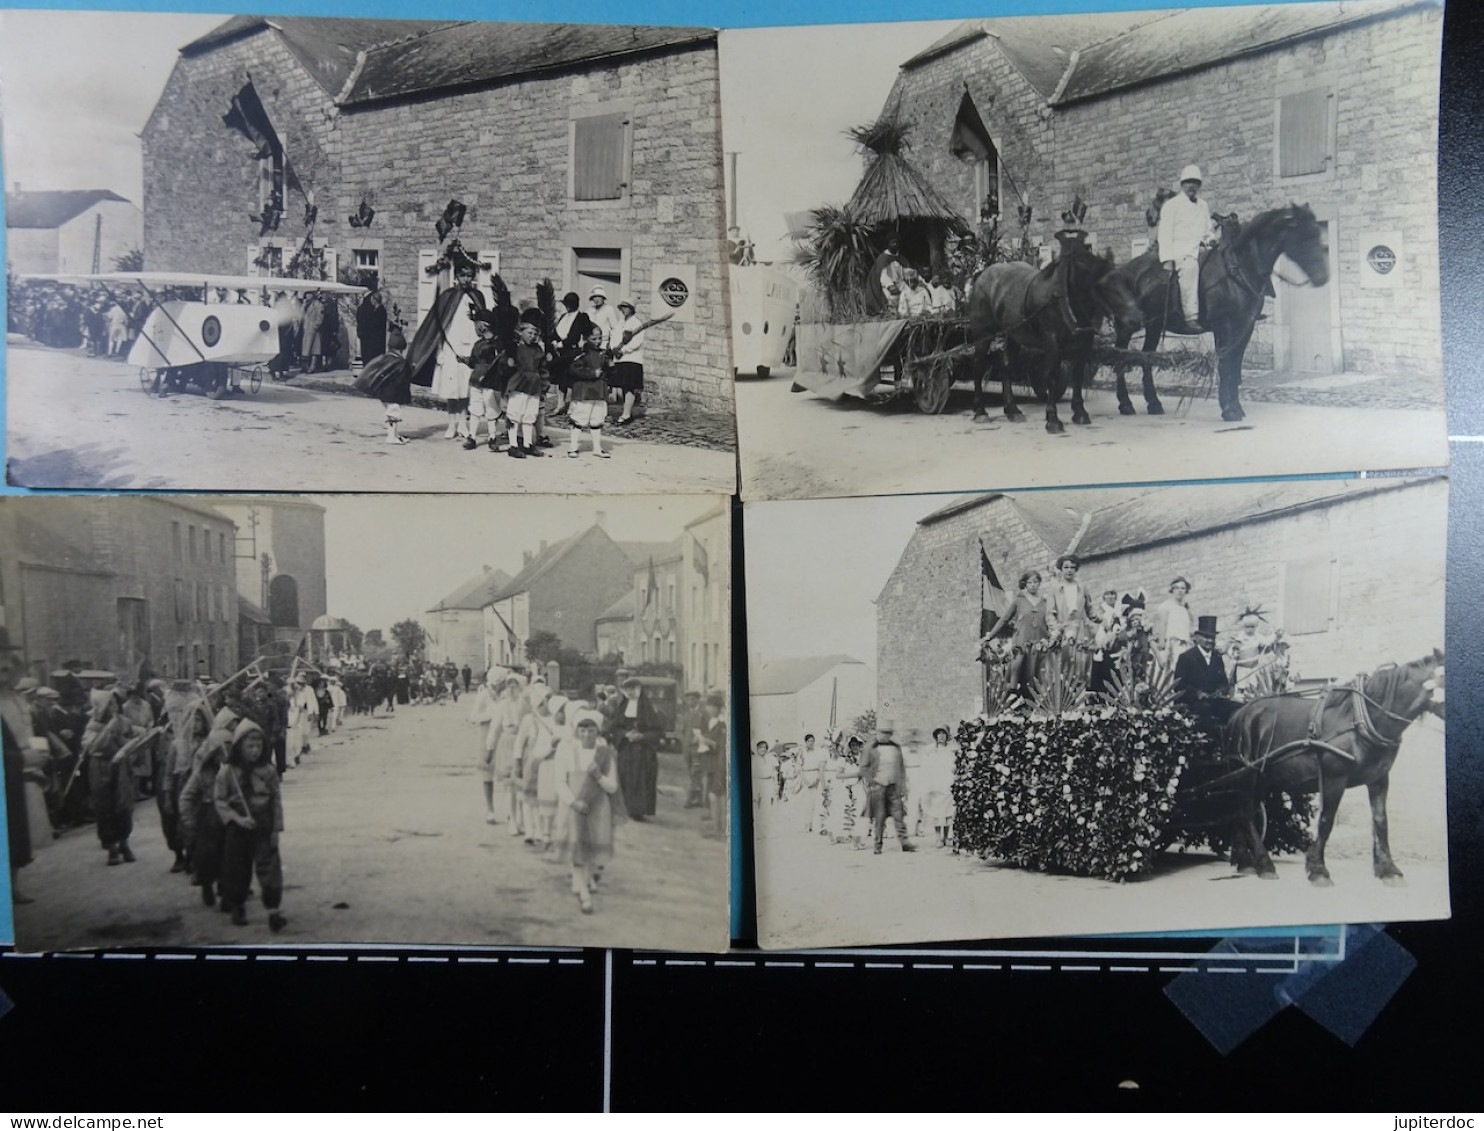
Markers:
<point>1185,226</point>
<point>628,367</point>
<point>605,317</point>
<point>883,771</point>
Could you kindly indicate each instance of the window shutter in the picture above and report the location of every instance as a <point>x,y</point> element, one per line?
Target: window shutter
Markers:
<point>1306,593</point>
<point>427,285</point>
<point>1303,133</point>
<point>253,251</point>
<point>598,157</point>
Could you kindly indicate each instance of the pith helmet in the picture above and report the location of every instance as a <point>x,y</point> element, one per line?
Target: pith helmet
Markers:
<point>1191,173</point>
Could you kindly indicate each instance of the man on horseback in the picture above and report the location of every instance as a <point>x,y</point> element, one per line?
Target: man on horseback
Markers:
<point>1185,226</point>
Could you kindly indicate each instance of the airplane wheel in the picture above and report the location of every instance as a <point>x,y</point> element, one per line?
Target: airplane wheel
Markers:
<point>255,379</point>
<point>146,379</point>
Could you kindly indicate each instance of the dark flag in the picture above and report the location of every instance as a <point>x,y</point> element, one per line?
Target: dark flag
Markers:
<point>453,217</point>
<point>991,607</point>
<point>701,561</point>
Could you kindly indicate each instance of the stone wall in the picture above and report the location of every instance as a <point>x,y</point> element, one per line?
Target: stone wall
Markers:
<point>505,151</point>
<point>1117,149</point>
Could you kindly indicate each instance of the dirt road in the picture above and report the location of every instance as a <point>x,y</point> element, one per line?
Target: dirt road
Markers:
<point>800,445</point>
<point>812,893</point>
<point>385,841</point>
<point>76,421</point>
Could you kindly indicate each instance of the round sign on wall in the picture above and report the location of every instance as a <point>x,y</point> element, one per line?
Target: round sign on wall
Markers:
<point>1382,259</point>
<point>674,292</point>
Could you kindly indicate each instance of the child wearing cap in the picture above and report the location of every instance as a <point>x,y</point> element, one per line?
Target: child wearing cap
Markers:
<point>628,369</point>
<point>589,409</point>
<point>486,388</point>
<point>588,804</point>
<point>249,802</point>
<point>526,369</point>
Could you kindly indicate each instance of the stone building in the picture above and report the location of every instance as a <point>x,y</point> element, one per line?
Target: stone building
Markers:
<point>455,626</point>
<point>1352,572</point>
<point>1330,104</point>
<point>65,232</point>
<point>280,557</point>
<point>678,610</point>
<point>589,155</point>
<point>130,584</point>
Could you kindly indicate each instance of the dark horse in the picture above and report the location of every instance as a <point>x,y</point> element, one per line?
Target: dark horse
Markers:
<point>1348,737</point>
<point>1234,281</point>
<point>1052,313</point>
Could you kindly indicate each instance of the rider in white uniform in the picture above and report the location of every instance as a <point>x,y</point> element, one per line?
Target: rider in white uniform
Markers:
<point>1185,226</point>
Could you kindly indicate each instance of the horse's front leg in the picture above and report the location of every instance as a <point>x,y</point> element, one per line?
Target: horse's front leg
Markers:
<point>1152,404</point>
<point>1250,854</point>
<point>1052,383</point>
<point>1008,361</point>
<point>1081,366</point>
<point>1331,790</point>
<point>1229,353</point>
<point>1123,335</point>
<point>1386,870</point>
<point>981,362</point>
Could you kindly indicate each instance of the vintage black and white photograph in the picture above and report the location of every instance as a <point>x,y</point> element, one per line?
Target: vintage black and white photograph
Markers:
<point>1109,247</point>
<point>297,253</point>
<point>293,720</point>
<point>1097,711</point>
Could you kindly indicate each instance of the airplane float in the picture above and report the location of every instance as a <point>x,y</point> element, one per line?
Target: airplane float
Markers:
<point>215,346</point>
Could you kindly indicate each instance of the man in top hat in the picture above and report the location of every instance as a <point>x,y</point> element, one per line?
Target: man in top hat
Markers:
<point>1201,682</point>
<point>1185,226</point>
<point>883,771</point>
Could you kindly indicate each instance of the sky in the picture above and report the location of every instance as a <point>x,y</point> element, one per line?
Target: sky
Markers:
<point>815,569</point>
<point>77,89</point>
<point>390,557</point>
<point>787,97</point>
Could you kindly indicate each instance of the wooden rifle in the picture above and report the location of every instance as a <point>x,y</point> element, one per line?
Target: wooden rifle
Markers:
<point>629,335</point>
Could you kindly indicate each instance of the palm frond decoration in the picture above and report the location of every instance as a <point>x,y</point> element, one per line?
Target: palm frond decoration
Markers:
<point>506,316</point>
<point>837,255</point>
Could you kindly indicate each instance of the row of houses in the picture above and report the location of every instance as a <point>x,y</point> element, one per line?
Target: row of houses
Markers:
<point>586,154</point>
<point>1331,104</point>
<point>51,232</point>
<point>644,602</point>
<point>1351,571</point>
<point>158,584</point>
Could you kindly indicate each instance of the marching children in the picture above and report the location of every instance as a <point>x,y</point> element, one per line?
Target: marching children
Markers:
<point>526,367</point>
<point>486,388</point>
<point>388,378</point>
<point>201,829</point>
<point>590,804</point>
<point>589,406</point>
<point>249,802</point>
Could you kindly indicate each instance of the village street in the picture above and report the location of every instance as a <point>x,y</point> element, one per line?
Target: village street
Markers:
<point>385,840</point>
<point>76,421</point>
<point>813,893</point>
<point>803,445</point>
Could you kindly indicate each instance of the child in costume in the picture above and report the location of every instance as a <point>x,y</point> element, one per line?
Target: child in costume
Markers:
<point>250,804</point>
<point>589,803</point>
<point>526,367</point>
<point>486,388</point>
<point>588,372</point>
<point>388,378</point>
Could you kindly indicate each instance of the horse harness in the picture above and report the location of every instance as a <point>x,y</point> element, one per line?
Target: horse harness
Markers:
<point>1363,726</point>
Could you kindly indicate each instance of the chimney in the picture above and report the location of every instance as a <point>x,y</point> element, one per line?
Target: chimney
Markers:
<point>601,518</point>
<point>528,555</point>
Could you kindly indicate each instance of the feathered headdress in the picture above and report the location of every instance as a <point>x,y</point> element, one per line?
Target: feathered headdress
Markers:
<point>504,317</point>
<point>1133,601</point>
<point>546,304</point>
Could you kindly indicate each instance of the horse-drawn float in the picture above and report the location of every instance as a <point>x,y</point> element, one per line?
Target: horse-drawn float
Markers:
<point>1101,789</point>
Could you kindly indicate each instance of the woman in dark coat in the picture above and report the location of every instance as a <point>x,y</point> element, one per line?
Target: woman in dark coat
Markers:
<point>639,730</point>
<point>371,326</point>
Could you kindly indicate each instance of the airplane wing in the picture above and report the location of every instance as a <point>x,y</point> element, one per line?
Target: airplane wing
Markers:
<point>185,279</point>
